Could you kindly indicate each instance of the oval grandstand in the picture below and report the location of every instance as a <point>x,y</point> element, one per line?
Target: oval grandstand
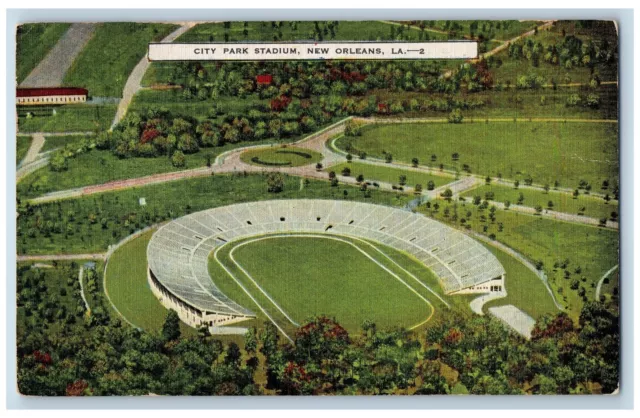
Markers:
<point>178,252</point>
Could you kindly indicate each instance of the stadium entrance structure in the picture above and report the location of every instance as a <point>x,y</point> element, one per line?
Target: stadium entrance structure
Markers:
<point>178,252</point>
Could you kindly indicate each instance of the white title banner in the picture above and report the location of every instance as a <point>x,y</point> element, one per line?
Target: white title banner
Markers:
<point>312,51</point>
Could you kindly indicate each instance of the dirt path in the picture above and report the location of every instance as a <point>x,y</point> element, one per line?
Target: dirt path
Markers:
<point>37,142</point>
<point>506,44</point>
<point>52,257</point>
<point>134,82</point>
<point>51,70</point>
<point>601,281</point>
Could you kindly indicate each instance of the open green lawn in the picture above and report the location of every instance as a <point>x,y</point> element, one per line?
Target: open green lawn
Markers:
<point>68,118</point>
<point>127,287</point>
<point>105,63</point>
<point>594,207</point>
<point>546,151</point>
<point>22,146</point>
<point>323,276</point>
<point>33,42</point>
<point>389,174</point>
<point>82,168</point>
<point>60,141</point>
<point>281,156</point>
<point>525,290</point>
<point>590,251</point>
<point>80,220</point>
<point>292,31</point>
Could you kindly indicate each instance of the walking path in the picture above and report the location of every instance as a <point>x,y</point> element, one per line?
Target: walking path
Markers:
<point>134,82</point>
<point>601,281</point>
<point>35,160</point>
<point>37,142</point>
<point>51,70</point>
<point>84,299</point>
<point>53,257</point>
<point>506,44</point>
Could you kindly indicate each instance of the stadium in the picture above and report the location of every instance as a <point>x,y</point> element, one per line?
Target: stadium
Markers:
<point>179,254</point>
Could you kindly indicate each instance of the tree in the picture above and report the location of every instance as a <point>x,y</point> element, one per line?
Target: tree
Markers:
<point>538,209</point>
<point>516,184</point>
<point>550,204</point>
<point>418,188</point>
<point>171,326</point>
<point>431,185</point>
<point>447,194</point>
<point>388,158</point>
<point>58,162</point>
<point>349,157</point>
<point>575,193</point>
<point>414,161</point>
<point>332,174</point>
<point>402,179</point>
<point>178,159</point>
<point>455,116</point>
<point>360,178</point>
<point>346,171</point>
<point>507,204</point>
<point>487,180</point>
<point>318,166</point>
<point>275,182</point>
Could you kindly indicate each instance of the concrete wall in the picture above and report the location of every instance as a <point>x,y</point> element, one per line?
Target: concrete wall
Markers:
<point>187,313</point>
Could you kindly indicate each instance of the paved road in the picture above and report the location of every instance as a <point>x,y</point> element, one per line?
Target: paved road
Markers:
<point>53,257</point>
<point>51,70</point>
<point>134,82</point>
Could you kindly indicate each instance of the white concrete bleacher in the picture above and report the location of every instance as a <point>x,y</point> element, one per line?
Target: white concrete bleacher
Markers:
<point>178,252</point>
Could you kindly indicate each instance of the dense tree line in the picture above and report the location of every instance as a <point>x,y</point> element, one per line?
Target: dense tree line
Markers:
<point>570,52</point>
<point>457,354</point>
<point>304,79</point>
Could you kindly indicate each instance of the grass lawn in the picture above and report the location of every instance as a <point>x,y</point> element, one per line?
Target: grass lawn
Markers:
<point>292,31</point>
<point>60,141</point>
<point>105,63</point>
<point>79,221</point>
<point>69,118</point>
<point>595,207</point>
<point>33,42</point>
<point>126,284</point>
<point>546,151</point>
<point>590,251</point>
<point>281,156</point>
<point>525,290</point>
<point>321,276</point>
<point>22,146</point>
<point>82,168</point>
<point>389,174</point>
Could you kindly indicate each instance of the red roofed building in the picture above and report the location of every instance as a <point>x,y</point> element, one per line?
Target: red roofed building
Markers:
<point>51,95</point>
<point>264,79</point>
